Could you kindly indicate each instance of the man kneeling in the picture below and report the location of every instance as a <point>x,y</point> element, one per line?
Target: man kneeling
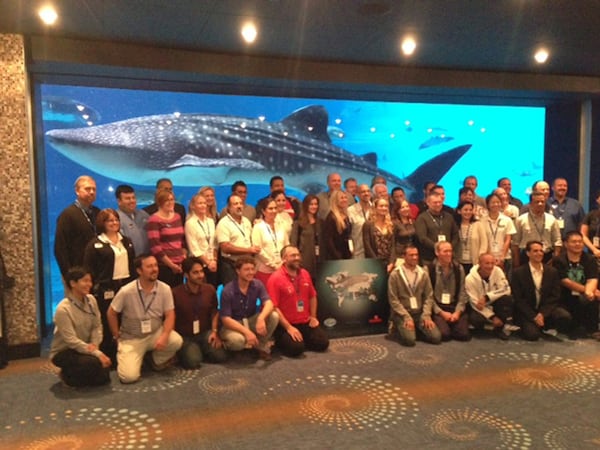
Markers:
<point>411,301</point>
<point>244,327</point>
<point>147,321</point>
<point>295,300</point>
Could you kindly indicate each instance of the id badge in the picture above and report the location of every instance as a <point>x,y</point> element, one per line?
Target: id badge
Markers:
<point>413,302</point>
<point>445,298</point>
<point>494,247</point>
<point>109,295</point>
<point>316,250</point>
<point>146,327</point>
<point>441,238</point>
<point>245,322</point>
<point>196,326</point>
<point>300,306</point>
<point>561,223</point>
<point>351,245</point>
<point>596,241</point>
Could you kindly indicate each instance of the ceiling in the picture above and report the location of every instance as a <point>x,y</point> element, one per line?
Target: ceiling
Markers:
<point>489,35</point>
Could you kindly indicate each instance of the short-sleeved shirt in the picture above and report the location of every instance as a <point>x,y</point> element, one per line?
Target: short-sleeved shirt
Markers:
<point>579,272</point>
<point>292,294</point>
<point>530,228</point>
<point>189,307</point>
<point>238,234</point>
<point>136,306</point>
<point>240,306</point>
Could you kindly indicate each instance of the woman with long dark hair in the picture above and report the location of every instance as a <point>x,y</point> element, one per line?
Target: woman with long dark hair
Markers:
<point>306,234</point>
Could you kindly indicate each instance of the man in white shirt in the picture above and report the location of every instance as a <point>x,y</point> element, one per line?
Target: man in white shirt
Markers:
<point>490,297</point>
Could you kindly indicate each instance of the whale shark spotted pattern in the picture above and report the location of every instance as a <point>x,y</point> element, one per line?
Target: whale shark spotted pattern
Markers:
<point>196,149</point>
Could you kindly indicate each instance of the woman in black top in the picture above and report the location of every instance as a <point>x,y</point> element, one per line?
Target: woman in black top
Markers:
<point>306,234</point>
<point>337,239</point>
<point>109,258</point>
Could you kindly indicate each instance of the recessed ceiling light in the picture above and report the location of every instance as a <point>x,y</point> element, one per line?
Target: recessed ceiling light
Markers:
<point>408,46</point>
<point>541,56</point>
<point>48,14</point>
<point>249,32</point>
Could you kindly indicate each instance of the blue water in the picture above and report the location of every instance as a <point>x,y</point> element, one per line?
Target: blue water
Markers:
<point>506,141</point>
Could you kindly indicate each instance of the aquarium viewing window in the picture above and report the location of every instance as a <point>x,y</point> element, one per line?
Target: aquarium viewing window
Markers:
<point>127,136</point>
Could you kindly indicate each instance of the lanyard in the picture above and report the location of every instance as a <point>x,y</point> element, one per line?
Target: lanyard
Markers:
<point>435,221</point>
<point>273,236</point>
<point>206,232</point>
<point>411,287</point>
<point>465,237</point>
<point>85,214</point>
<point>77,305</point>
<point>540,232</point>
<point>492,231</point>
<point>237,225</point>
<point>144,307</point>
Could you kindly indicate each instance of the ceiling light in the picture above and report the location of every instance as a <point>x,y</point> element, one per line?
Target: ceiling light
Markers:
<point>48,15</point>
<point>249,32</point>
<point>408,46</point>
<point>541,56</point>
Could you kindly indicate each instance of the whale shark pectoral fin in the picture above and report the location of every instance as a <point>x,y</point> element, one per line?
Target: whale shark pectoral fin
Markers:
<point>233,163</point>
<point>436,168</point>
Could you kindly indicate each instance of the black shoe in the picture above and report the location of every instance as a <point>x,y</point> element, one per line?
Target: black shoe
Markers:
<point>501,334</point>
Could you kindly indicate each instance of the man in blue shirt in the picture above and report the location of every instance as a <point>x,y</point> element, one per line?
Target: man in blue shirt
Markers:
<point>566,210</point>
<point>133,220</point>
<point>244,326</point>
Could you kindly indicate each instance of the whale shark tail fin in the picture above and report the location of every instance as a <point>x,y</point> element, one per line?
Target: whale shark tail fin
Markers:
<point>436,168</point>
<point>310,120</point>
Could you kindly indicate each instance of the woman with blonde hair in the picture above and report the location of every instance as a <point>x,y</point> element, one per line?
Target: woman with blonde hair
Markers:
<point>212,210</point>
<point>200,237</point>
<point>337,238</point>
<point>378,234</point>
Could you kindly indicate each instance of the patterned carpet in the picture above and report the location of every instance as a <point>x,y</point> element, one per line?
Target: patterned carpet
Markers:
<point>365,392</point>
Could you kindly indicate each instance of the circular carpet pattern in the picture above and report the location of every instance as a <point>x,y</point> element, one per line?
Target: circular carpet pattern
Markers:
<point>577,436</point>
<point>119,429</point>
<point>419,359</point>
<point>471,425</point>
<point>351,403</point>
<point>156,382</point>
<point>354,352</point>
<point>546,372</point>
<point>227,382</point>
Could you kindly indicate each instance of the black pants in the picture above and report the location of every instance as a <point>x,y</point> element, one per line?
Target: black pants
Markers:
<point>558,318</point>
<point>503,308</point>
<point>81,370</point>
<point>314,339</point>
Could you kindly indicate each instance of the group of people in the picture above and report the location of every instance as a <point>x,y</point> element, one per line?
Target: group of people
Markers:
<point>141,284</point>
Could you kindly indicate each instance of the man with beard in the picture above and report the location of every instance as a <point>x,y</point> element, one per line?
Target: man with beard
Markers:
<point>147,322</point>
<point>197,318</point>
<point>295,300</point>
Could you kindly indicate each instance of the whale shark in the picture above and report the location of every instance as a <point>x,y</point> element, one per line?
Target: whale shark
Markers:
<point>199,149</point>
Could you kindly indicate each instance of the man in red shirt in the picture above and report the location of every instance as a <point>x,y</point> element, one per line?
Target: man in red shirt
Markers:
<point>295,300</point>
